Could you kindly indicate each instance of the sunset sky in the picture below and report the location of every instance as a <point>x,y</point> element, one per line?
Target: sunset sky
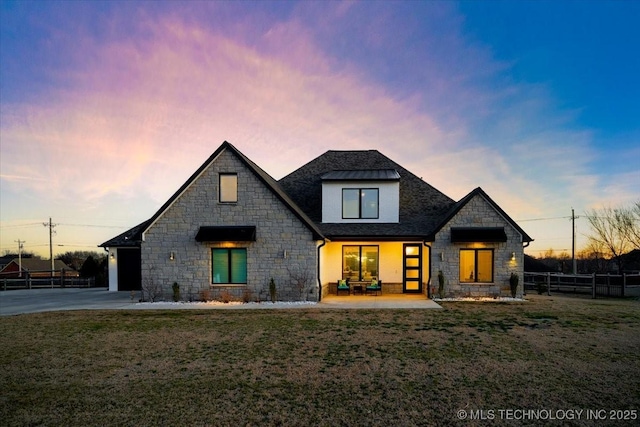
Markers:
<point>108,107</point>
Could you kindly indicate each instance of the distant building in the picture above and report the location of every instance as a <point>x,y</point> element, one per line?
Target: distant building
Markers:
<point>36,267</point>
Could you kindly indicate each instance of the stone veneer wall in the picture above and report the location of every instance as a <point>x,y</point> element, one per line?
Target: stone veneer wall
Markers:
<point>477,213</point>
<point>277,230</point>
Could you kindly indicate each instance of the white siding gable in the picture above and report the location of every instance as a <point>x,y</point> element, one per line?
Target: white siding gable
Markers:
<point>389,201</point>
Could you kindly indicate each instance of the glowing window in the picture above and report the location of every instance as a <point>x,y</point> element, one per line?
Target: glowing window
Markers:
<point>476,265</point>
<point>360,263</point>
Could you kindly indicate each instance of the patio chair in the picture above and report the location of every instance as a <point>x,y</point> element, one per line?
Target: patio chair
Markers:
<point>374,287</point>
<point>343,285</point>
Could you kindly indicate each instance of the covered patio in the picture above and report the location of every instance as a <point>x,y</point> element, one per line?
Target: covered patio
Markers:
<point>416,301</point>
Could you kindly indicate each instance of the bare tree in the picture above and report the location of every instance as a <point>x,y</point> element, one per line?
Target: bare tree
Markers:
<point>592,258</point>
<point>301,280</point>
<point>634,225</point>
<point>614,230</point>
<point>151,287</point>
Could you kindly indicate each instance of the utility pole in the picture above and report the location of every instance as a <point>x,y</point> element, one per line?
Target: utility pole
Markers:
<point>573,241</point>
<point>51,227</point>
<point>20,246</point>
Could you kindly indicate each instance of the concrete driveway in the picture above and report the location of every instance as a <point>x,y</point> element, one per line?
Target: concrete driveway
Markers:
<point>40,300</point>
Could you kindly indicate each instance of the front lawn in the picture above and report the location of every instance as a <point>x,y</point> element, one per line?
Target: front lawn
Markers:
<point>308,367</point>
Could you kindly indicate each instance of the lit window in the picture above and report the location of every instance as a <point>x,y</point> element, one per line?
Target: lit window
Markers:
<point>360,263</point>
<point>358,203</point>
<point>228,188</point>
<point>229,265</point>
<point>476,265</point>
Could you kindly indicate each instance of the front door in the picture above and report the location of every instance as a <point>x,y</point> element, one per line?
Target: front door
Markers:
<point>412,268</point>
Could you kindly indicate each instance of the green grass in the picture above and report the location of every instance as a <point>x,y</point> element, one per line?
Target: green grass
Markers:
<point>308,367</point>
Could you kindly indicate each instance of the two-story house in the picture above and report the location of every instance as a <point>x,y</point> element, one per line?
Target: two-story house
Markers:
<point>353,215</point>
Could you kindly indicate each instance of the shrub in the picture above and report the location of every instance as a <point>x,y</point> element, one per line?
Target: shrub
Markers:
<point>205,295</point>
<point>441,284</point>
<point>541,287</point>
<point>513,284</point>
<point>225,296</point>
<point>272,290</point>
<point>176,291</point>
<point>151,289</point>
<point>247,295</point>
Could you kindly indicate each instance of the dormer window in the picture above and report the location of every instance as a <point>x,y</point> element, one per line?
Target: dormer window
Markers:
<point>360,203</point>
<point>361,196</point>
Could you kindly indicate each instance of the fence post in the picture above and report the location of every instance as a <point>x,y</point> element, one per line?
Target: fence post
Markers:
<point>5,283</point>
<point>29,279</point>
<point>548,283</point>
<point>593,286</point>
<point>608,284</point>
<point>624,283</point>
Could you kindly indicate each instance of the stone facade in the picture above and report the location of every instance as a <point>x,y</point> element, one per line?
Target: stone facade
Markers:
<point>278,231</point>
<point>445,255</point>
<point>287,248</point>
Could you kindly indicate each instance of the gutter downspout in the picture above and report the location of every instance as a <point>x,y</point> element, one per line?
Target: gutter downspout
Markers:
<point>424,242</point>
<point>324,242</point>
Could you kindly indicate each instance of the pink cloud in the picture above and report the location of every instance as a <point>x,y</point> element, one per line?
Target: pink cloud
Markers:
<point>138,115</point>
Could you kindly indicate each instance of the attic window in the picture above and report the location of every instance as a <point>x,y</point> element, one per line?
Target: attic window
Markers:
<point>228,188</point>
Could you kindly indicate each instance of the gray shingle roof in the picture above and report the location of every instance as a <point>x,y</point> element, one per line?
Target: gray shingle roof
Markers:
<point>422,207</point>
<point>130,238</point>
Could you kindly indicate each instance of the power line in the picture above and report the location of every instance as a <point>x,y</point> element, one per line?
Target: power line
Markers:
<point>92,225</point>
<point>32,224</point>
<point>543,219</point>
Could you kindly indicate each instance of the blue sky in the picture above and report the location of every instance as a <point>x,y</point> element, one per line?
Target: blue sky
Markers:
<point>107,107</point>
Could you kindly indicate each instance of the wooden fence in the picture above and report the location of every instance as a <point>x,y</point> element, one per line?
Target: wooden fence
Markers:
<point>596,285</point>
<point>44,279</point>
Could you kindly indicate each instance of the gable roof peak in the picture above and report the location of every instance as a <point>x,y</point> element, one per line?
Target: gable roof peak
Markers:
<point>135,235</point>
<point>478,191</point>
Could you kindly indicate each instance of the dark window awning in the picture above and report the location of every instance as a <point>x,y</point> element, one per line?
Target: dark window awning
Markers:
<point>244,233</point>
<point>478,234</point>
